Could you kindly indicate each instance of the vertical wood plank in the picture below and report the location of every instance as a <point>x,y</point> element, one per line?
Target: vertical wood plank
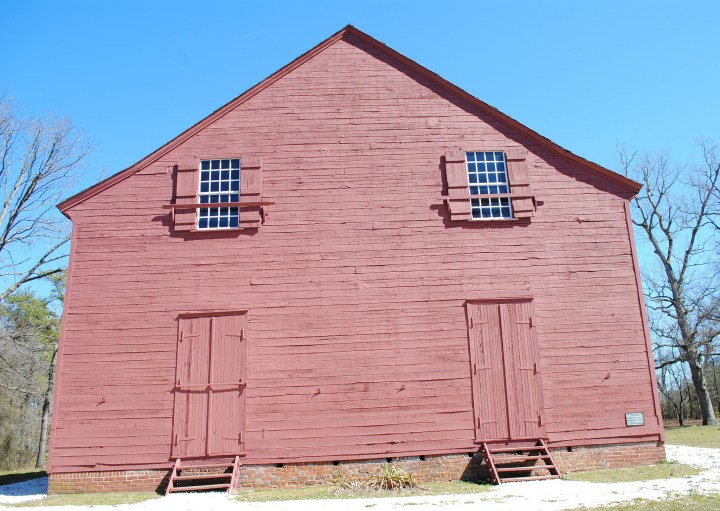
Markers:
<point>228,412</point>
<point>487,373</point>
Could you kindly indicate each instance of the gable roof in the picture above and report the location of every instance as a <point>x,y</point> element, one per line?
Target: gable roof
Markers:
<point>349,30</point>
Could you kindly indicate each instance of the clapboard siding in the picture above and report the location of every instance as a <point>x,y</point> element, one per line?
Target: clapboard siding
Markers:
<point>355,284</point>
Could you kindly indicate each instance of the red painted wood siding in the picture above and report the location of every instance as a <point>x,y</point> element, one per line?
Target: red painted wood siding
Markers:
<point>355,286</point>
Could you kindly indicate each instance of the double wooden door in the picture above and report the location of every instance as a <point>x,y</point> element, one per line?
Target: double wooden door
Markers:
<point>507,390</point>
<point>209,414</point>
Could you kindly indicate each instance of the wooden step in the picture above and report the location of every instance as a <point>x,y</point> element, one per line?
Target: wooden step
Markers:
<point>514,449</point>
<point>201,487</point>
<point>521,469</point>
<point>531,478</point>
<point>202,476</point>
<point>518,459</point>
<point>224,466</point>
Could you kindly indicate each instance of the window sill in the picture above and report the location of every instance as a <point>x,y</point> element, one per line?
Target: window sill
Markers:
<point>197,205</point>
<point>513,219</point>
<point>488,196</point>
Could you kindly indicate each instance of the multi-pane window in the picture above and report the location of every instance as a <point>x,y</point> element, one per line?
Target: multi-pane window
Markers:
<point>219,182</point>
<point>487,175</point>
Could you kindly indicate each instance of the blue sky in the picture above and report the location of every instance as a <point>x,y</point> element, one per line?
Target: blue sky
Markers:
<point>588,75</point>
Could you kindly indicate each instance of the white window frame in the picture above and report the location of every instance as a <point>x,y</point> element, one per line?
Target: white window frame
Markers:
<point>219,213</point>
<point>500,207</point>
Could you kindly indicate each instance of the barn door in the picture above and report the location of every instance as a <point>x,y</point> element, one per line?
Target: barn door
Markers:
<point>505,376</point>
<point>209,415</point>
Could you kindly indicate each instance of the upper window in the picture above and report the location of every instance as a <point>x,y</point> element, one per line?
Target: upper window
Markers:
<point>487,175</point>
<point>219,183</point>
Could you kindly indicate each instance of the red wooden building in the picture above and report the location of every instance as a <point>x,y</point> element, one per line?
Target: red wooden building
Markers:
<point>353,260</point>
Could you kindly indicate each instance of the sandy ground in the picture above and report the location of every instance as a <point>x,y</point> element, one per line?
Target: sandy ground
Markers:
<point>536,495</point>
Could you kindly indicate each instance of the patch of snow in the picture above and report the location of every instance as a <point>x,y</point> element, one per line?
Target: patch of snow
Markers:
<point>552,495</point>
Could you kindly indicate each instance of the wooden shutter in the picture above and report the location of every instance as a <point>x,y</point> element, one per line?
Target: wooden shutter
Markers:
<point>524,206</point>
<point>251,191</point>
<point>458,187</point>
<point>186,192</point>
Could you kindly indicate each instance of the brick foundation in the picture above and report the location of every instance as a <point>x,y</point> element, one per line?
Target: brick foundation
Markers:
<point>576,459</point>
<point>105,482</point>
<point>450,467</point>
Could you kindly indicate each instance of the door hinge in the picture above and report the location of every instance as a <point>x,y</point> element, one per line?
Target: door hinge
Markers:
<point>241,335</point>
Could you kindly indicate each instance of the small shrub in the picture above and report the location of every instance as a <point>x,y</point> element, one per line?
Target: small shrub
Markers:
<point>389,477</point>
<point>343,486</point>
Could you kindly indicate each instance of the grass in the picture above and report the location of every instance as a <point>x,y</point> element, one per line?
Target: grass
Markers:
<point>329,492</point>
<point>89,499</point>
<point>693,502</point>
<point>694,436</point>
<point>17,476</point>
<point>663,470</point>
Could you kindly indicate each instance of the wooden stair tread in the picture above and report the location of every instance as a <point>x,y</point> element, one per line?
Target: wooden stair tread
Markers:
<point>526,468</point>
<point>531,478</point>
<point>514,449</point>
<point>215,465</point>
<point>201,487</point>
<point>518,459</point>
<point>202,476</point>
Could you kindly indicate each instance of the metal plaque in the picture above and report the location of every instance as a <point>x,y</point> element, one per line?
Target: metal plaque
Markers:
<point>634,419</point>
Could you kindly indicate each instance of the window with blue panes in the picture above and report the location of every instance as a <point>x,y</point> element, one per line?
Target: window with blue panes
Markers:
<point>219,182</point>
<point>487,175</point>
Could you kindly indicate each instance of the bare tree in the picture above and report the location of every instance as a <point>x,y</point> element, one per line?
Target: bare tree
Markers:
<point>675,212</point>
<point>670,382</point>
<point>37,156</point>
<point>37,160</point>
<point>58,295</point>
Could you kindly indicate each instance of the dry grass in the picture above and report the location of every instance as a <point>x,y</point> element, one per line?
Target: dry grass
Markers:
<point>694,436</point>
<point>89,499</point>
<point>692,502</point>
<point>663,470</point>
<point>332,492</point>
<point>390,477</point>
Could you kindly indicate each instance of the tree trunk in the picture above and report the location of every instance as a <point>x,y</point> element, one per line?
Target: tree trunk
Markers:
<point>681,417</point>
<point>46,412</point>
<point>715,382</point>
<point>681,408</point>
<point>701,389</point>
